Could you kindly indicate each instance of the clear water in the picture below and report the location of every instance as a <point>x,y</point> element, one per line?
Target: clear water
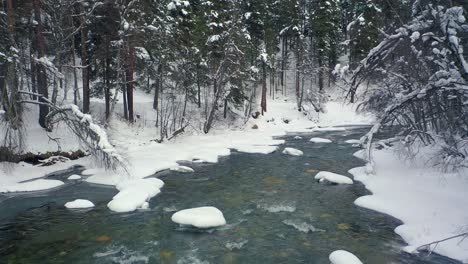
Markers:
<point>276,213</point>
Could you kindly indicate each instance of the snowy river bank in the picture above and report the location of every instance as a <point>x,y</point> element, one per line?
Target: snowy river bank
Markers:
<point>275,211</point>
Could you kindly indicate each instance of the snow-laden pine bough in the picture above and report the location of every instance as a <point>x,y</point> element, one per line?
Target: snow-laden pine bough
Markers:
<point>423,76</point>
<point>82,125</point>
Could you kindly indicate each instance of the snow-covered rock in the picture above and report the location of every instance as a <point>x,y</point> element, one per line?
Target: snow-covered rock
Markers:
<point>297,137</point>
<point>333,177</point>
<point>343,257</point>
<point>353,141</point>
<point>329,129</point>
<point>320,140</point>
<point>31,186</point>
<point>201,217</point>
<point>74,177</point>
<point>135,194</point>
<point>259,149</point>
<point>182,169</point>
<point>79,203</point>
<point>293,152</point>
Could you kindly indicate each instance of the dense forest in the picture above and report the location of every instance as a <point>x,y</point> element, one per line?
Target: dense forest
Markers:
<point>403,59</point>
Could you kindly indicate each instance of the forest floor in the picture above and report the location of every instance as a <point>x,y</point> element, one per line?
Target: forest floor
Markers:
<point>430,203</point>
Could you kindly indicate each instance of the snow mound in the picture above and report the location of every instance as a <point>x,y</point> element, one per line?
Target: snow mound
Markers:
<point>182,169</point>
<point>343,257</point>
<point>293,152</point>
<point>353,141</point>
<point>333,177</point>
<point>79,203</point>
<point>89,172</point>
<point>258,149</point>
<point>320,140</point>
<point>201,217</point>
<point>74,177</point>
<point>31,186</point>
<point>135,194</point>
<point>323,129</point>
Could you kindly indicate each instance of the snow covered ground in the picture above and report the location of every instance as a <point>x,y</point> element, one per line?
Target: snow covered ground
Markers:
<point>431,204</point>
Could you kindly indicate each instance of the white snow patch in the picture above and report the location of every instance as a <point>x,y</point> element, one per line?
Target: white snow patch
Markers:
<point>328,129</point>
<point>31,186</point>
<point>293,152</point>
<point>343,257</point>
<point>415,36</point>
<point>256,149</point>
<point>201,217</point>
<point>430,203</point>
<point>74,177</point>
<point>182,169</point>
<point>353,141</point>
<point>79,203</point>
<point>135,194</point>
<point>320,140</point>
<point>89,172</point>
<point>333,177</point>
<point>297,137</point>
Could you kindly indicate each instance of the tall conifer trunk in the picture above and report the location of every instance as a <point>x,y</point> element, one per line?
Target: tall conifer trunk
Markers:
<point>42,74</point>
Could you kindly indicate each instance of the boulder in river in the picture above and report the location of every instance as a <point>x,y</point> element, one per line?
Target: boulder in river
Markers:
<point>200,217</point>
<point>343,257</point>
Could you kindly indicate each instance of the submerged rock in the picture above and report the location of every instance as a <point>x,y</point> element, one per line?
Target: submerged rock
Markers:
<point>200,217</point>
<point>103,238</point>
<point>236,245</point>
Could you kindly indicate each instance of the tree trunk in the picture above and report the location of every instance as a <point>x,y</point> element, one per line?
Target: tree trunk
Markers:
<point>125,104</point>
<point>76,93</point>
<point>130,70</point>
<point>3,92</point>
<point>263,103</point>
<point>320,72</point>
<point>156,88</point>
<point>214,106</point>
<point>107,82</point>
<point>298,73</point>
<point>84,61</point>
<point>198,86</point>
<point>33,72</point>
<point>225,108</point>
<point>42,74</point>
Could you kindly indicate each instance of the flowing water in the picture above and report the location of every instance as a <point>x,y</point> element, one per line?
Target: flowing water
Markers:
<point>276,213</point>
